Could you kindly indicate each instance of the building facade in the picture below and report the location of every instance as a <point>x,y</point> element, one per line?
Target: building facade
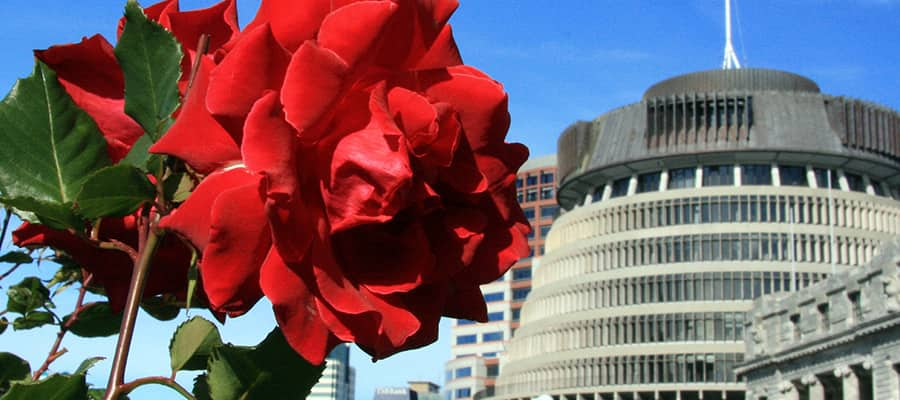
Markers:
<point>839,339</point>
<point>477,347</point>
<point>338,381</point>
<point>678,210</point>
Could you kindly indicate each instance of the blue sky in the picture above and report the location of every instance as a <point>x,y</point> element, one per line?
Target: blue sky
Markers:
<point>559,61</point>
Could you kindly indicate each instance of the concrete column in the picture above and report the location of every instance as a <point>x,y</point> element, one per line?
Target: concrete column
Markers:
<point>663,185</point>
<point>849,382</point>
<point>698,177</point>
<point>737,175</point>
<point>788,391</point>
<point>776,175</point>
<point>632,185</point>
<point>815,388</point>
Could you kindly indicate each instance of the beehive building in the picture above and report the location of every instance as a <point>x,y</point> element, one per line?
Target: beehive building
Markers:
<point>715,188</point>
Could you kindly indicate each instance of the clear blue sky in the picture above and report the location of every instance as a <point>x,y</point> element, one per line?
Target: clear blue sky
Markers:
<point>560,62</point>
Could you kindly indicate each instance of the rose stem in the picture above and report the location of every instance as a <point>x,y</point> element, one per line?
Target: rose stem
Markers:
<point>135,293</point>
<point>63,328</point>
<point>159,380</point>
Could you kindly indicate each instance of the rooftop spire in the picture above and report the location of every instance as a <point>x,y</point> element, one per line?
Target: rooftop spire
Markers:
<point>730,61</point>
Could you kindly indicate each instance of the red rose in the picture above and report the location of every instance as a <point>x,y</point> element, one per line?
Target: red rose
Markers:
<point>90,74</point>
<point>358,174</point>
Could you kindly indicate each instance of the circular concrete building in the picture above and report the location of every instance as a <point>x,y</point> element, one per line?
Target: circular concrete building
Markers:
<point>682,208</point>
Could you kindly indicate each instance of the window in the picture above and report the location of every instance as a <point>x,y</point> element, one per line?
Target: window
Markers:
<point>855,306</point>
<point>516,314</point>
<point>718,175</point>
<point>520,197</point>
<point>463,372</point>
<point>464,322</point>
<point>855,182</point>
<point>546,177</point>
<point>495,316</point>
<point>546,193</point>
<point>648,182</point>
<point>545,229</point>
<point>489,297</point>
<point>792,176</point>
<point>878,188</point>
<point>795,326</point>
<point>492,337</point>
<point>465,339</point>
<point>597,195</point>
<point>822,176</point>
<point>531,195</point>
<point>518,182</point>
<point>529,213</point>
<point>489,354</point>
<point>521,293</point>
<point>549,211</point>
<point>531,180</point>
<point>681,178</point>
<point>493,370</point>
<point>463,393</point>
<point>620,187</point>
<point>756,174</point>
<point>521,273</point>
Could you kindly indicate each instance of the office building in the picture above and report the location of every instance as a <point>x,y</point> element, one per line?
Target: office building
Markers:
<point>477,347</point>
<point>338,381</point>
<point>717,187</point>
<point>839,339</point>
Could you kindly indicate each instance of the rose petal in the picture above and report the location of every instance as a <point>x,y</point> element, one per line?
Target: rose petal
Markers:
<point>414,31</point>
<point>91,75</point>
<point>467,303</point>
<point>431,129</point>
<point>256,63</point>
<point>270,148</point>
<point>370,176</point>
<point>350,31</point>
<point>158,12</point>
<point>239,242</point>
<point>442,52</point>
<point>293,24</point>
<point>219,21</point>
<point>313,84</point>
<point>193,219</point>
<point>196,137</point>
<point>296,310</point>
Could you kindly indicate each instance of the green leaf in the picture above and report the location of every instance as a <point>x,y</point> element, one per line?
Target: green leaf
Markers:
<point>201,387</point>
<point>150,58</point>
<point>12,368</point>
<point>163,308</point>
<point>3,324</point>
<point>87,364</point>
<point>16,257</point>
<point>56,387</point>
<point>114,192</point>
<point>34,319</point>
<point>270,370</point>
<point>192,344</point>
<point>193,276</point>
<point>27,296</point>
<point>56,216</point>
<point>178,187</point>
<point>49,146</point>
<point>67,274</point>
<point>95,320</point>
<point>138,155</point>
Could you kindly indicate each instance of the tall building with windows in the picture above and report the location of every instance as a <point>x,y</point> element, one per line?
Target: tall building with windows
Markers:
<point>477,347</point>
<point>338,381</point>
<point>680,209</point>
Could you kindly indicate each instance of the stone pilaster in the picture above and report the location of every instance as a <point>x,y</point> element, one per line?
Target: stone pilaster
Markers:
<point>814,387</point>
<point>849,382</point>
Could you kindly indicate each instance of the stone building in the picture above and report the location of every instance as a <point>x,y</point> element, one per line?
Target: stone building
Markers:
<point>338,381</point>
<point>678,210</point>
<point>839,339</point>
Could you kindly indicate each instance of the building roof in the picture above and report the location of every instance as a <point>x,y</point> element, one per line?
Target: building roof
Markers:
<point>544,161</point>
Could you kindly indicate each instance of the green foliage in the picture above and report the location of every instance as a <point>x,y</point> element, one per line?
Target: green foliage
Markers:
<point>33,319</point>
<point>12,368</point>
<point>270,370</point>
<point>16,257</point>
<point>114,192</point>
<point>163,308</point>
<point>95,320</point>
<point>87,364</point>
<point>150,58</point>
<point>3,324</point>
<point>27,296</point>
<point>49,147</point>
<point>55,387</point>
<point>192,344</point>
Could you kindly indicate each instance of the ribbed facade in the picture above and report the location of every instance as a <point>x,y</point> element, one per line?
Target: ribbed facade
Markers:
<point>681,209</point>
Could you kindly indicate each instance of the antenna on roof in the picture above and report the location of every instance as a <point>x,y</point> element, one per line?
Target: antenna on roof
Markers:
<point>730,61</point>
